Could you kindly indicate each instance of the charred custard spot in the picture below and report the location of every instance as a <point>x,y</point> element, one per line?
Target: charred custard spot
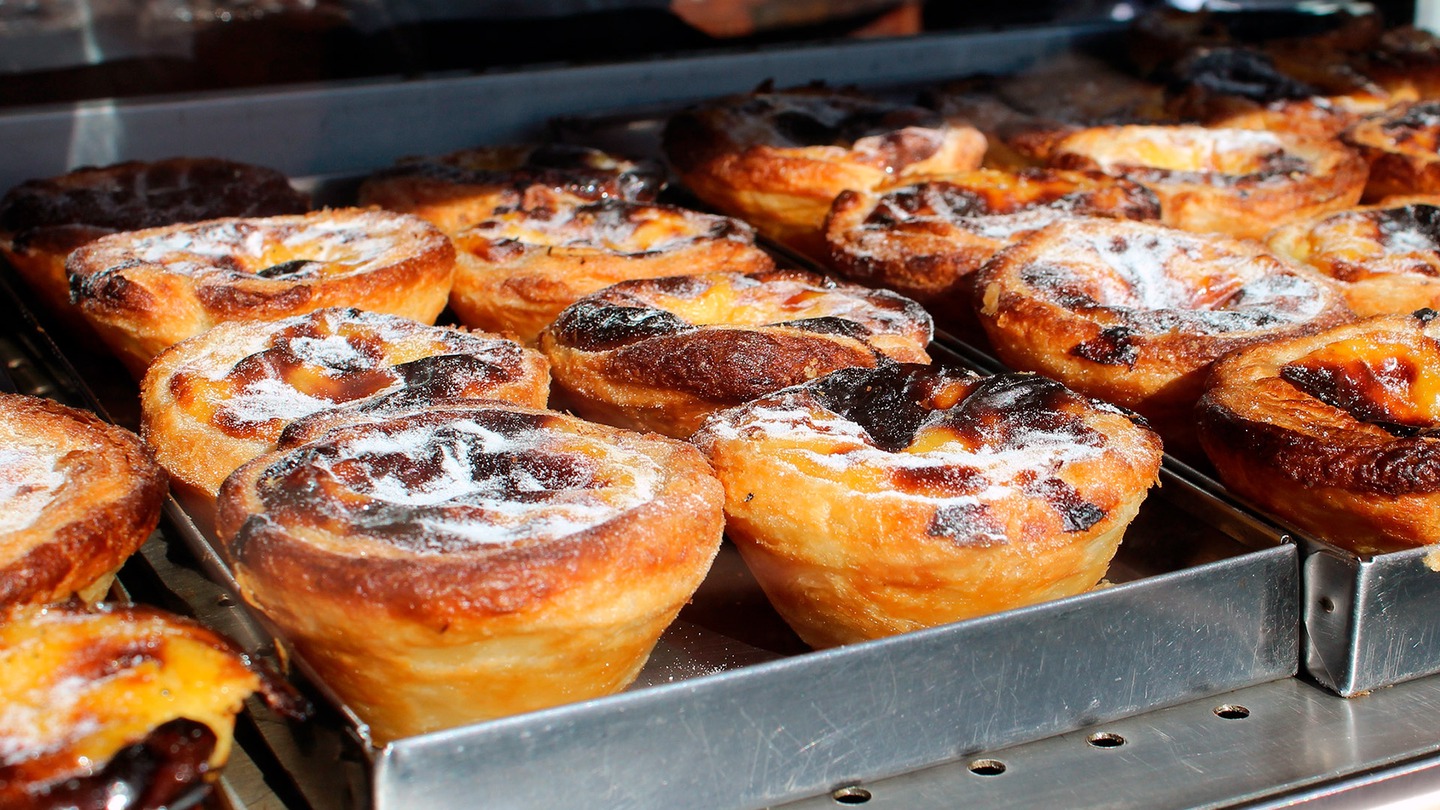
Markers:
<point>166,769</point>
<point>880,400</point>
<point>1112,347</point>
<point>1425,316</point>
<point>295,268</point>
<point>449,375</point>
<point>943,480</point>
<point>829,325</point>
<point>1241,72</point>
<point>1058,284</point>
<point>1423,115</point>
<point>594,326</point>
<point>1076,513</point>
<point>968,525</point>
<point>1007,410</point>
<point>1377,394</point>
<point>1410,228</point>
<point>929,199</point>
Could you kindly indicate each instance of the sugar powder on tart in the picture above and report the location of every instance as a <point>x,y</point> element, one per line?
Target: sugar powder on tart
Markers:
<point>520,268</point>
<point>119,707</point>
<point>1134,313</point>
<point>1385,257</point>
<point>460,189</point>
<point>662,354</point>
<point>215,401</point>
<point>876,501</point>
<point>1401,147</point>
<point>444,564</point>
<point>42,221</point>
<point>778,158</point>
<point>78,496</point>
<point>1240,182</point>
<point>147,290</point>
<point>925,238</point>
<point>1335,432</point>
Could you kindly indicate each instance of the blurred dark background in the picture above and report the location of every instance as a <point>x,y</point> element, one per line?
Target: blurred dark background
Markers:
<point>66,50</point>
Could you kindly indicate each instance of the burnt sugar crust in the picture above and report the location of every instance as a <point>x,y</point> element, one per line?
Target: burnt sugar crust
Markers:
<point>662,354</point>
<point>77,497</point>
<point>213,402</point>
<point>1239,182</point>
<point>520,268</point>
<point>778,158</point>
<point>1134,313</point>
<point>147,290</point>
<point>877,501</point>
<point>1335,432</point>
<point>448,563</point>
<point>42,221</point>
<point>463,188</point>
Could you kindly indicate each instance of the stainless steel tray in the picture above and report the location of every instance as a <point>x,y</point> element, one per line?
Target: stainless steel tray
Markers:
<point>1369,620</point>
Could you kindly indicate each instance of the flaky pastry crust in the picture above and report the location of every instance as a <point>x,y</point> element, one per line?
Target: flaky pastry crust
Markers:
<point>662,354</point>
<point>213,402</point>
<point>518,270</point>
<point>444,564</point>
<point>461,189</point>
<point>116,701</point>
<point>1335,432</point>
<point>77,497</point>
<point>42,221</point>
<point>778,158</point>
<point>925,238</point>
<point>1235,181</point>
<point>147,290</point>
<point>1400,146</point>
<point>871,502</point>
<point>1385,257</point>
<point>1134,313</point>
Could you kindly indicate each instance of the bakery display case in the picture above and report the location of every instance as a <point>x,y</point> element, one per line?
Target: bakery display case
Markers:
<point>1221,634</point>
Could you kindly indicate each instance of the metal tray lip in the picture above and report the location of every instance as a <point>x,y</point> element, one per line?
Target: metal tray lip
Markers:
<point>836,656</point>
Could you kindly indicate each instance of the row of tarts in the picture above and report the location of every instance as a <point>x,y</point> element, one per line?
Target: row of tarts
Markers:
<point>442,547</point>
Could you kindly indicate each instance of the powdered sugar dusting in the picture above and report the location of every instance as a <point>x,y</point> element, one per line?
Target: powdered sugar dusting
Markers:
<point>29,482</point>
<point>1159,279</point>
<point>451,487</point>
<point>35,727</point>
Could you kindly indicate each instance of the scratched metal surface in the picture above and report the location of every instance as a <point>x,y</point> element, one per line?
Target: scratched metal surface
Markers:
<point>1282,744</point>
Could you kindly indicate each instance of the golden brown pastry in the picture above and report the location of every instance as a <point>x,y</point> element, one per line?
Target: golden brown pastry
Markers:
<point>118,707</point>
<point>926,238</point>
<point>1235,181</point>
<point>876,501</point>
<point>1335,432</point>
<point>778,158</point>
<point>77,497</point>
<point>145,291</point>
<point>443,564</point>
<point>1135,313</point>
<point>215,401</point>
<point>520,268</point>
<point>662,354</point>
<point>464,188</point>
<point>1400,146</point>
<point>1385,257</point>
<point>41,221</point>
